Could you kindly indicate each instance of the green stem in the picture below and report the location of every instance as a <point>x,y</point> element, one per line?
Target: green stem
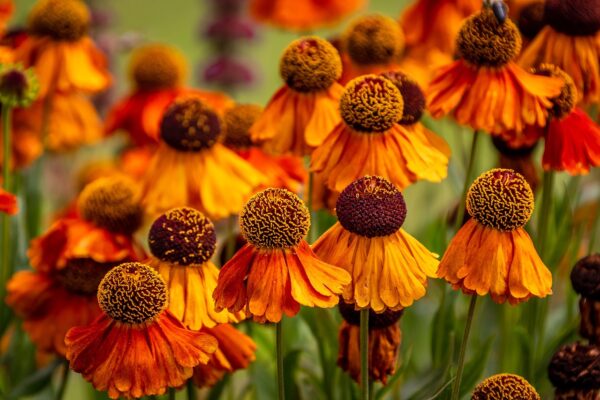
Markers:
<point>313,229</point>
<point>171,394</point>
<point>364,353</point>
<point>544,217</point>
<point>463,348</point>
<point>460,214</point>
<point>371,389</point>
<point>63,382</point>
<point>6,183</point>
<point>279,344</point>
<point>191,390</point>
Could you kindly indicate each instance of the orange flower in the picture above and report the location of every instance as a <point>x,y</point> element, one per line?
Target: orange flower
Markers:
<point>571,41</point>
<point>301,112</point>
<point>8,203</point>
<point>492,253</point>
<point>370,141</point>
<point>485,88</point>
<point>7,8</point>
<point>389,268</point>
<point>191,168</point>
<point>135,347</point>
<point>276,271</point>
<point>301,15</point>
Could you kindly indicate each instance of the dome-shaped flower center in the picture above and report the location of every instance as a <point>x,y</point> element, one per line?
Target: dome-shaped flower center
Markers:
<point>310,64</point>
<point>157,66</point>
<point>371,103</point>
<point>18,86</point>
<point>132,293</point>
<point>531,19</point>
<point>412,96</point>
<point>376,321</point>
<point>484,42</point>
<point>565,102</point>
<point>371,206</point>
<point>575,366</point>
<point>59,19</point>
<point>505,387</point>
<point>83,275</point>
<point>374,39</point>
<point>585,277</point>
<point>111,203</point>
<point>507,149</point>
<point>237,122</point>
<point>573,17</point>
<point>274,219</point>
<point>182,236</point>
<point>500,199</point>
<point>190,125</point>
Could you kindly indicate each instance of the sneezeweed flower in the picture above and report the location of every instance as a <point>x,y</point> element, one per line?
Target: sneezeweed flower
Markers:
<point>389,267</point>
<point>505,387</point>
<point>571,41</point>
<point>8,203</point>
<point>492,253</point>
<point>530,20</point>
<point>575,372</point>
<point>518,158</point>
<point>276,271</point>
<point>485,88</point>
<point>300,114</point>
<point>18,86</point>
<point>585,278</point>
<point>384,343</point>
<point>192,168</point>
<point>370,141</point>
<point>136,347</point>
<point>285,171</point>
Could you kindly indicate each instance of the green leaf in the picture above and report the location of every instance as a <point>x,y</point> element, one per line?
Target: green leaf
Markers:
<point>35,382</point>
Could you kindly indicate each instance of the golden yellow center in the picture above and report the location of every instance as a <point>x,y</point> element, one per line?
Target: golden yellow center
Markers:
<point>374,39</point>
<point>371,103</point>
<point>565,102</point>
<point>274,219</point>
<point>111,203</point>
<point>310,64</point>
<point>132,293</point>
<point>157,66</point>
<point>500,199</point>
<point>60,19</point>
<point>237,122</point>
<point>505,387</point>
<point>484,42</point>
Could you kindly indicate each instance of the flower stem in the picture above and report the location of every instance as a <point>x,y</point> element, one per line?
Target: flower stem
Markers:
<point>364,353</point>
<point>544,217</point>
<point>191,390</point>
<point>460,214</point>
<point>63,382</point>
<point>463,348</point>
<point>279,344</point>
<point>313,229</point>
<point>171,394</point>
<point>6,183</point>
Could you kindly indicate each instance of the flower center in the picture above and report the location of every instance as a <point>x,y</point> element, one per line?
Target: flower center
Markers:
<point>182,236</point>
<point>412,96</point>
<point>573,17</point>
<point>237,122</point>
<point>505,148</point>
<point>274,219</point>
<point>376,321</point>
<point>505,387</point>
<point>59,19</point>
<point>157,66</point>
<point>531,19</point>
<point>585,277</point>
<point>189,125</point>
<point>371,206</point>
<point>18,86</point>
<point>374,39</point>
<point>132,293</point>
<point>310,64</point>
<point>576,367</point>
<point>371,103</point>
<point>484,42</point>
<point>564,103</point>
<point>111,203</point>
<point>83,275</point>
<point>500,199</point>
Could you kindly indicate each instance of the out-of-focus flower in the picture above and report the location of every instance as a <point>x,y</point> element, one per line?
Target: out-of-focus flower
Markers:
<point>530,20</point>
<point>389,267</point>
<point>574,371</point>
<point>384,343</point>
<point>305,109</point>
<point>492,253</point>
<point>302,15</point>
<point>228,71</point>
<point>276,271</point>
<point>485,88</point>
<point>369,140</point>
<point>229,27</point>
<point>8,203</point>
<point>136,347</point>
<point>585,278</point>
<point>18,86</point>
<point>191,168</point>
<point>518,158</point>
<point>506,387</point>
<point>571,41</point>
<point>7,7</point>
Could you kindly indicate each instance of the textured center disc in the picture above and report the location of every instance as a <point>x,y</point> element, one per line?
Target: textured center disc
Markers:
<point>565,102</point>
<point>412,96</point>
<point>573,17</point>
<point>505,387</point>
<point>60,19</point>
<point>374,39</point>
<point>585,277</point>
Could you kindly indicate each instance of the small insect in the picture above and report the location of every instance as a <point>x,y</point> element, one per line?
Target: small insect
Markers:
<point>498,7</point>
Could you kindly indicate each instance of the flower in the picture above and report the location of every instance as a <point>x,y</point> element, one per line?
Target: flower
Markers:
<point>492,253</point>
<point>18,86</point>
<point>136,347</point>
<point>505,387</point>
<point>384,343</point>
<point>8,203</point>
<point>276,271</point>
<point>571,41</point>
<point>300,113</point>
<point>285,171</point>
<point>369,140</point>
<point>7,7</point>
<point>575,372</point>
<point>585,278</point>
<point>485,88</point>
<point>530,19</point>
<point>518,158</point>
<point>304,14</point>
<point>191,168</point>
<point>389,267</point>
